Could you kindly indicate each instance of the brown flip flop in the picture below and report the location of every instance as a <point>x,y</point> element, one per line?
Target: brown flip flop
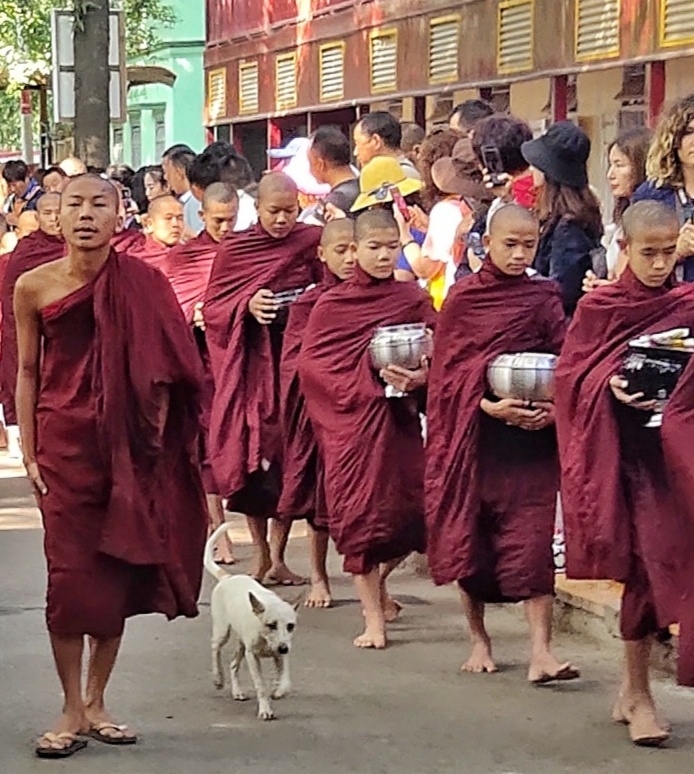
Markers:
<point>565,674</point>
<point>59,753</point>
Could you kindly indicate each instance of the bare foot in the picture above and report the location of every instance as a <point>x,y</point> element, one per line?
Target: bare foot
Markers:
<point>224,553</point>
<point>319,596</point>
<point>371,639</point>
<point>104,728</point>
<point>63,732</point>
<point>263,565</point>
<point>480,661</point>
<point>544,668</point>
<point>392,609</point>
<point>646,728</point>
<point>281,575</point>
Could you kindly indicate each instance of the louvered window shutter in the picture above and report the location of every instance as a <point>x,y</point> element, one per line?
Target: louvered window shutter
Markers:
<point>332,72</point>
<point>677,22</point>
<point>384,62</point>
<point>444,37</point>
<point>286,93</point>
<point>515,36</point>
<point>249,90</point>
<point>597,28</point>
<point>216,94</point>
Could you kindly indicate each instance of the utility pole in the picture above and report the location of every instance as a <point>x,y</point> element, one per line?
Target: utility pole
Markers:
<point>92,77</point>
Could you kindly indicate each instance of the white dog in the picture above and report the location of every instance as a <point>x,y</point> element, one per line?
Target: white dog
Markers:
<point>262,623</point>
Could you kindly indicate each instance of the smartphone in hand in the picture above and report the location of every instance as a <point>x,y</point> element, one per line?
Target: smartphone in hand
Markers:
<point>491,158</point>
<point>400,203</point>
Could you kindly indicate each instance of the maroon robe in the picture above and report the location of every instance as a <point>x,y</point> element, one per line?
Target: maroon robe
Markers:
<point>31,252</point>
<point>153,253</point>
<point>371,446</point>
<point>620,515</point>
<point>491,489</point>
<point>245,442</point>
<point>188,267</point>
<point>678,445</point>
<point>125,517</point>
<point>303,491</point>
<point>127,240</point>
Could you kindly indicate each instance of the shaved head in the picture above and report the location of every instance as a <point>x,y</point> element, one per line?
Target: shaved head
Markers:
<point>164,221</point>
<point>73,167</point>
<point>337,230</point>
<point>512,241</point>
<point>374,220</point>
<point>48,200</point>
<point>48,211</point>
<point>511,213</point>
<point>219,193</point>
<point>648,215</point>
<point>99,182</point>
<point>161,203</point>
<point>277,183</point>
<point>220,209</point>
<point>278,204</point>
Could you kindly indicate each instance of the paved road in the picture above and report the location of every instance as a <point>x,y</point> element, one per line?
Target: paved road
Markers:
<point>405,711</point>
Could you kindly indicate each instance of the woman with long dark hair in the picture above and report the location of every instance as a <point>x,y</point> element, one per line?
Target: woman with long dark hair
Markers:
<point>625,173</point>
<point>569,212</point>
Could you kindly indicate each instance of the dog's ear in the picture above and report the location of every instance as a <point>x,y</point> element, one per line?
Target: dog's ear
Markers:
<point>256,604</point>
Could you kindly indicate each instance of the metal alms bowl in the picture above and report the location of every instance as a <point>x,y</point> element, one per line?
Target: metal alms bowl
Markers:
<point>400,345</point>
<point>524,376</point>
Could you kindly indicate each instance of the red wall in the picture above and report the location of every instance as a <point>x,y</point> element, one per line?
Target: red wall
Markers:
<point>231,18</point>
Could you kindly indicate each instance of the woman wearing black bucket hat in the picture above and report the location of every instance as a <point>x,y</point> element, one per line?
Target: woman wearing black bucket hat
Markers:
<point>569,211</point>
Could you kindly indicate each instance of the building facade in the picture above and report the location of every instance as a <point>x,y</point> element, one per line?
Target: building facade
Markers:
<point>283,67</point>
<point>166,92</point>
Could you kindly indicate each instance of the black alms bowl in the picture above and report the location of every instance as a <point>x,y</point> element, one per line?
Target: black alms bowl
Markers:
<point>653,370</point>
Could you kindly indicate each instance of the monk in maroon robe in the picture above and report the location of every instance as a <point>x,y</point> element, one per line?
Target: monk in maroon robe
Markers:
<point>163,228</point>
<point>678,446</point>
<point>42,246</point>
<point>244,330</point>
<point>621,516</point>
<point>188,268</point>
<point>108,402</point>
<point>303,492</point>
<point>492,464</point>
<point>371,445</point>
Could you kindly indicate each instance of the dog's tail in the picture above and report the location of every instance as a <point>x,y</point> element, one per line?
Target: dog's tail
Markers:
<point>210,565</point>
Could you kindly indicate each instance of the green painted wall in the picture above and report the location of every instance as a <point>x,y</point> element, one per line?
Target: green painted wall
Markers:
<point>161,115</point>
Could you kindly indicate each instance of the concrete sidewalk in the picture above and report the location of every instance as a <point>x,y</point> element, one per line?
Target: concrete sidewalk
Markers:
<point>403,711</point>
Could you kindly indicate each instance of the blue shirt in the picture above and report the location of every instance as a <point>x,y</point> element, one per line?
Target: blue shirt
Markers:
<point>403,264</point>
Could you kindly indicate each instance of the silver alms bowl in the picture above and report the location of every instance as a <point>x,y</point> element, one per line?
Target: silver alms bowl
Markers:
<point>400,345</point>
<point>524,376</point>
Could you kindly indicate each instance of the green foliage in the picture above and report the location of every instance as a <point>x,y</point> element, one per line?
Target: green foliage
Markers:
<point>25,46</point>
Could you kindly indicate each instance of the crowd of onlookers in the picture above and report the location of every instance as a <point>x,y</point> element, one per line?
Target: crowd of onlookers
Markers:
<point>445,184</point>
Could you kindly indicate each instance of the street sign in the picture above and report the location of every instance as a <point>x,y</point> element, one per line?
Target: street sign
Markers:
<point>63,61</point>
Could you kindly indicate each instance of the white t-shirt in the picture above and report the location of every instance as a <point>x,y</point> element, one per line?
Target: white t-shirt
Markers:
<point>444,219</point>
<point>248,214</point>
